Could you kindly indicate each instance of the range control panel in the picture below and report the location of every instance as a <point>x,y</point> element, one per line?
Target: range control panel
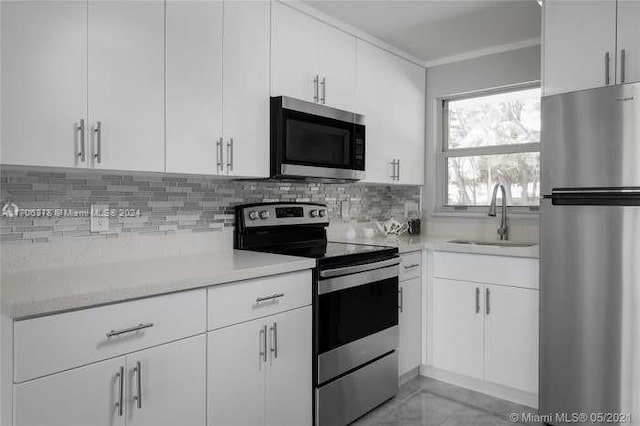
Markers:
<point>284,214</point>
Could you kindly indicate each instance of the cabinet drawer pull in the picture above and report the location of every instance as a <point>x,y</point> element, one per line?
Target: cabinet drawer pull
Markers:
<point>323,83</point>
<point>219,163</point>
<point>607,79</point>
<point>137,370</point>
<point>263,343</point>
<point>119,402</point>
<point>230,155</point>
<point>316,84</point>
<point>487,300</point>
<point>113,333</point>
<point>477,300</point>
<point>98,131</point>
<point>623,60</point>
<point>414,265</point>
<point>267,298</point>
<point>401,294</point>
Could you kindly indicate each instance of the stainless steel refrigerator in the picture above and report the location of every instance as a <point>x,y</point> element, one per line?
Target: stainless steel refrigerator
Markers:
<point>590,257</point>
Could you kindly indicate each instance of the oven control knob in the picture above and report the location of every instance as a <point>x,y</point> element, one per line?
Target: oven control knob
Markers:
<point>253,215</point>
<point>264,214</point>
<point>314,213</point>
<point>323,213</point>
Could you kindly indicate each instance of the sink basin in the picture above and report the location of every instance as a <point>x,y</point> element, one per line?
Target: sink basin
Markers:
<point>494,243</point>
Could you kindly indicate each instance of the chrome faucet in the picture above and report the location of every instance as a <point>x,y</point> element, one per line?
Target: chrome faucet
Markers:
<point>503,230</point>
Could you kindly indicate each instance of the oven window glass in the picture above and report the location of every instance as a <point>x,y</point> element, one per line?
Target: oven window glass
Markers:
<point>347,315</point>
<point>315,141</point>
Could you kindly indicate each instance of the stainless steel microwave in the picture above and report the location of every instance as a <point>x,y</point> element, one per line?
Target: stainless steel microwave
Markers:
<point>315,141</point>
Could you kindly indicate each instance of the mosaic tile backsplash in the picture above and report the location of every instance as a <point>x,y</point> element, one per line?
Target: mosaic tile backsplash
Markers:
<point>54,205</point>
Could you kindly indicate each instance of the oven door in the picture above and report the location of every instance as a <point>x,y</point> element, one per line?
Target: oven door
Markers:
<point>310,140</point>
<point>357,316</point>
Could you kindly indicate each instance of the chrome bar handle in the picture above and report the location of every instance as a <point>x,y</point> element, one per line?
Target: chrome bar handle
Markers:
<point>267,298</point>
<point>98,131</point>
<point>274,349</point>
<point>119,403</point>
<point>477,300</point>
<point>393,169</point>
<point>230,155</point>
<point>607,78</point>
<point>219,161</point>
<point>401,294</point>
<point>398,174</point>
<point>323,83</point>
<point>138,327</point>
<point>82,153</point>
<point>623,60</point>
<point>137,370</point>
<point>316,84</point>
<point>487,299</point>
<point>263,343</point>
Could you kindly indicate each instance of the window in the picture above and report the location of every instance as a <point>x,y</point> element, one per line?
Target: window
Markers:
<point>488,139</point>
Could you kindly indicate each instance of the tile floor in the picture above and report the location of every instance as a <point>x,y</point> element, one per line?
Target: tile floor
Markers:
<point>425,401</point>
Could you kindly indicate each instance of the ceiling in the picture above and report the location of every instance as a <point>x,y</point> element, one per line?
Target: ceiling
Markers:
<point>432,30</point>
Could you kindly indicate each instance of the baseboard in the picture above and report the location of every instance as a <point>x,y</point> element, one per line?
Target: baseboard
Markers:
<point>498,391</point>
<point>409,375</point>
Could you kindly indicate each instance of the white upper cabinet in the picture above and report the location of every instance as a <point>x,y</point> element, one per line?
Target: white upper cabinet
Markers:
<point>293,54</point>
<point>194,87</point>
<point>336,63</point>
<point>126,84</point>
<point>629,41</point>
<point>390,93</point>
<point>579,50</point>
<point>246,88</point>
<point>311,60</point>
<point>44,83</point>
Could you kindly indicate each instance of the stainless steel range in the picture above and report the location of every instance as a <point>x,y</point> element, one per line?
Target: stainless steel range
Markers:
<point>355,306</point>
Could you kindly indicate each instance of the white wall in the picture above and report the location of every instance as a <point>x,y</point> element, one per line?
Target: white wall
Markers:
<point>487,72</point>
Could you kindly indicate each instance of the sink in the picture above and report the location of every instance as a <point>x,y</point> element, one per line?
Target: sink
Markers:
<point>494,243</point>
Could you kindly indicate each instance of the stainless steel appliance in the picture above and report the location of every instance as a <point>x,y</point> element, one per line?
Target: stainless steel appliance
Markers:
<point>590,257</point>
<point>315,141</point>
<point>355,306</point>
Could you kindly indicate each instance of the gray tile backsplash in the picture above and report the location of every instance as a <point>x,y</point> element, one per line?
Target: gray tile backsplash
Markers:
<point>167,204</point>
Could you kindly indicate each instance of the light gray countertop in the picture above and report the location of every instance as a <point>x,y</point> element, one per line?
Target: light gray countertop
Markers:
<point>408,243</point>
<point>46,291</point>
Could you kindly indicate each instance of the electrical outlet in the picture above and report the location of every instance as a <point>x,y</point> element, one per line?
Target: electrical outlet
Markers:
<point>99,220</point>
<point>411,208</point>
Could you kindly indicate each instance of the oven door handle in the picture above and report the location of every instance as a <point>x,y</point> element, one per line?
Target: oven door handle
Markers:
<point>328,273</point>
<point>371,276</point>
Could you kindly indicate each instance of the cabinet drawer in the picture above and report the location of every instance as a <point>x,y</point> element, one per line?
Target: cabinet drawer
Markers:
<point>237,302</point>
<point>502,270</point>
<point>58,342</point>
<point>410,265</point>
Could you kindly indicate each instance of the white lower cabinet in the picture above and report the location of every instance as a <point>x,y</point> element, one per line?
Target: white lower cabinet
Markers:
<point>512,337</point>
<point>167,384</point>
<point>78,397</point>
<point>409,319</point>
<point>458,327</point>
<point>260,371</point>
<point>164,385</point>
<point>485,330</point>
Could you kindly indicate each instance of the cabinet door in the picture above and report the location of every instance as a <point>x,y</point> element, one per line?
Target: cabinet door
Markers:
<point>409,320</point>
<point>629,39</point>
<point>289,375</point>
<point>577,35</point>
<point>236,374</point>
<point>170,381</point>
<point>246,88</point>
<point>409,143</point>
<point>512,337</point>
<point>79,397</point>
<point>126,84</point>
<point>376,69</point>
<point>337,67</point>
<point>194,86</point>
<point>293,53</point>
<point>458,327</point>
<point>44,82</point>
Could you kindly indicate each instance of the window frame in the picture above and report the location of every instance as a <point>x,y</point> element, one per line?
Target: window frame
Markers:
<point>443,153</point>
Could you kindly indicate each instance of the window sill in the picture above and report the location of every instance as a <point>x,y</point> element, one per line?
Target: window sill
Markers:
<point>522,215</point>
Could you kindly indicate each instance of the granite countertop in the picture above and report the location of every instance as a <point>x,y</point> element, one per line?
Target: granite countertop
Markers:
<point>408,243</point>
<point>47,291</point>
